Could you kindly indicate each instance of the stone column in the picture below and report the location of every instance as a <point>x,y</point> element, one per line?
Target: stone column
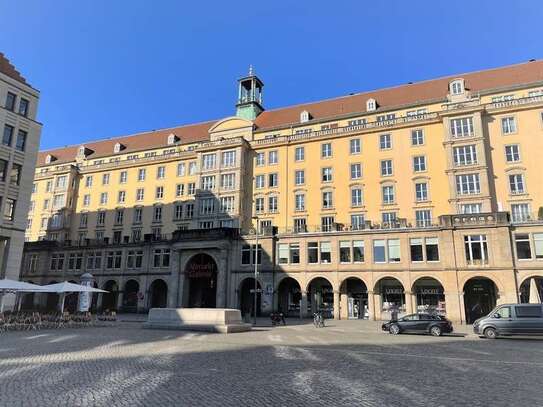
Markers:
<point>221,282</point>
<point>408,302</point>
<point>452,306</point>
<point>336,305</point>
<point>173,280</point>
<point>371,306</point>
<point>303,309</point>
<point>377,306</point>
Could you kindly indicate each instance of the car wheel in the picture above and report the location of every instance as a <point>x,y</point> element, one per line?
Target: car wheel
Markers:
<point>394,329</point>
<point>490,333</point>
<point>435,331</point>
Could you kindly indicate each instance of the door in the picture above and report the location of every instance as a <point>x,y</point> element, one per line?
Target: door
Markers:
<point>503,320</point>
<point>529,319</point>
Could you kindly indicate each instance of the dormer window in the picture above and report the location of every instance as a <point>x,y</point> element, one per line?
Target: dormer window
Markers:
<point>49,158</point>
<point>118,147</point>
<point>172,139</point>
<point>305,116</point>
<point>81,151</point>
<point>371,105</point>
<point>456,87</point>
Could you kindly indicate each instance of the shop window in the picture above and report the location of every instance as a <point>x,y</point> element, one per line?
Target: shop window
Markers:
<point>522,243</point>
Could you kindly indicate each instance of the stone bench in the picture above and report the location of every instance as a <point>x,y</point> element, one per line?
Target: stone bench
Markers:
<point>197,319</point>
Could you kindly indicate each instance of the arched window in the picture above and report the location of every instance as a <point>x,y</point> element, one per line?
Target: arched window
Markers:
<point>49,158</point>
<point>456,87</point>
<point>304,116</point>
<point>371,105</point>
<point>172,139</point>
<point>118,147</point>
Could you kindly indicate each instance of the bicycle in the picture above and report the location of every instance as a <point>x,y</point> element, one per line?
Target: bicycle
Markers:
<point>318,320</point>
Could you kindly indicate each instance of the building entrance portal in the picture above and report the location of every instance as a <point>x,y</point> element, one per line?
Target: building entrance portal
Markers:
<point>201,275</point>
<point>480,296</point>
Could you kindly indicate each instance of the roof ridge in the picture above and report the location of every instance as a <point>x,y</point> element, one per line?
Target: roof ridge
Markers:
<point>401,85</point>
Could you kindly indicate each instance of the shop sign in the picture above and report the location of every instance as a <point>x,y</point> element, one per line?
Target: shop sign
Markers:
<point>393,290</point>
<point>429,291</point>
<point>206,270</point>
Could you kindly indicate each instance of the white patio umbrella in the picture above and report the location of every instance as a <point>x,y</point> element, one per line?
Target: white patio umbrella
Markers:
<point>14,286</point>
<point>67,287</point>
<point>534,293</point>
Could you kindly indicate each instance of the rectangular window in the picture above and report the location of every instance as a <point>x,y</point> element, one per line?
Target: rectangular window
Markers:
<point>299,202</point>
<point>272,204</point>
<point>419,163</point>
<point>356,171</point>
<point>140,193</point>
<point>385,141</point>
<point>141,174</point>
<point>299,177</point>
<point>8,135</point>
<point>416,249</point>
<point>260,159</point>
<point>417,137</point>
<point>356,197</point>
<point>105,179</point>
<point>23,107</point>
<point>178,212</point>
<point>386,168</point>
<point>259,181</point>
<point>326,252</point>
<point>10,101</point>
<point>300,225</point>
<point>470,208</point>
<point>299,154</point>
<point>179,190</point>
<point>462,127</point>
<point>181,168</point>
<point>345,251</point>
<point>327,223</point>
<point>9,209</point>
<point>207,206</point>
<point>465,155</point>
<point>121,197</point>
<point>272,157</point>
<point>103,198</point>
<point>327,200</point>
<point>393,250</point>
<point>358,251</point>
<point>520,212</point>
<point>208,183</point>
<point>191,188</point>
<point>159,194</point>
<point>294,253</point>
<point>123,177</point>
<point>208,161</point>
<point>229,158</point>
<point>312,252</point>
<point>327,174</point>
<point>160,172</point>
<point>432,248</point>
<point>512,153</point>
<point>228,181</point>
<point>379,251</point>
<point>157,214</point>
<point>357,222</point>
<point>388,194</point>
<point>273,180</point>
<point>421,191</point>
<point>15,175</point>
<point>20,142</point>
<point>516,184</point>
<point>355,146</point>
<point>468,184</point>
<point>259,205</point>
<point>189,212</point>
<point>476,249</point>
<point>423,218</point>
<point>357,122</point>
<point>522,244</point>
<point>326,150</point>
<point>509,125</point>
<point>193,167</point>
<point>282,253</point>
<point>538,245</point>
<point>101,218</point>
<point>3,170</point>
<point>88,181</point>
<point>249,252</point>
<point>119,216</point>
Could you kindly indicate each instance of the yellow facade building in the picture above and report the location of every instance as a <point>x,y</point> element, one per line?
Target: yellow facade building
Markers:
<point>420,196</point>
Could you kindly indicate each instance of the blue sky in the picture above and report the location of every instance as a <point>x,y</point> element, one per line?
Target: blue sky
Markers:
<point>108,68</point>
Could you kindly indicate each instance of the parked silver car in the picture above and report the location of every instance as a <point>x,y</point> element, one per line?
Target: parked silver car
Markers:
<point>511,319</point>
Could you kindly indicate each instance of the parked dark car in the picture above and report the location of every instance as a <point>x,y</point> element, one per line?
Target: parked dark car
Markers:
<point>511,319</point>
<point>419,323</point>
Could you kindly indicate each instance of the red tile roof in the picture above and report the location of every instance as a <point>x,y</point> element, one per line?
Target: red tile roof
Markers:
<point>435,89</point>
<point>425,91</point>
<point>137,142</point>
<point>8,69</point>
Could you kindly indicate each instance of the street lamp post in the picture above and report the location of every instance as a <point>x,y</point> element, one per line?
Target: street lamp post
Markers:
<point>256,269</point>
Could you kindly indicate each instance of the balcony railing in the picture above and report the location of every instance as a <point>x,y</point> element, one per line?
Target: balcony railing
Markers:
<point>515,102</point>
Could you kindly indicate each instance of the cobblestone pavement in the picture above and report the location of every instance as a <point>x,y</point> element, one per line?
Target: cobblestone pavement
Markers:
<point>348,363</point>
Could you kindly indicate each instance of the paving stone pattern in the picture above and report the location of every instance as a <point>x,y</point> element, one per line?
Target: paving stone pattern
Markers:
<point>348,363</point>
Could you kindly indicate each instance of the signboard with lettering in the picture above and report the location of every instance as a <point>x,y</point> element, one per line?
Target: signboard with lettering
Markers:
<point>201,267</point>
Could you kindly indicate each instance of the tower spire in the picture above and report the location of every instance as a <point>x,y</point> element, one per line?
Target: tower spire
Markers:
<point>251,70</point>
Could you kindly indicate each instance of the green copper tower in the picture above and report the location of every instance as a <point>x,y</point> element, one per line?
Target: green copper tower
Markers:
<point>249,104</point>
